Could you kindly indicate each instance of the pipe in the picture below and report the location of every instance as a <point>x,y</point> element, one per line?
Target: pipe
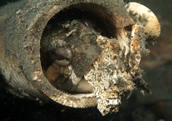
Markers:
<point>30,60</point>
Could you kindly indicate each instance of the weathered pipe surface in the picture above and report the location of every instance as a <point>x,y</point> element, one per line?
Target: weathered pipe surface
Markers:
<point>79,53</point>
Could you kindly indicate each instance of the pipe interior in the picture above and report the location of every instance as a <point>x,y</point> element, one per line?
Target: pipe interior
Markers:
<point>90,15</point>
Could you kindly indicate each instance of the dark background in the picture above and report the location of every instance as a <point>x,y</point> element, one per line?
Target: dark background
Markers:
<point>154,107</point>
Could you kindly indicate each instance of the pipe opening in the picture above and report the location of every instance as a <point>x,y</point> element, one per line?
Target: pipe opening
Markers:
<point>69,47</point>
